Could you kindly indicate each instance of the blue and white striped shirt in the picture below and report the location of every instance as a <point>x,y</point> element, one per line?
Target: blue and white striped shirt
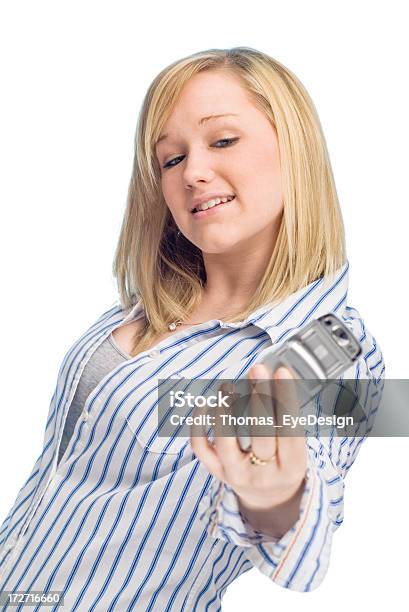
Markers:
<point>129,520</point>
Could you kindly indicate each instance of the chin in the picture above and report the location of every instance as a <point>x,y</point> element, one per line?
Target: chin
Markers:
<point>217,247</point>
<point>220,241</point>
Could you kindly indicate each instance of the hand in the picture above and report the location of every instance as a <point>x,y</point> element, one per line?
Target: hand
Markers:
<point>268,494</point>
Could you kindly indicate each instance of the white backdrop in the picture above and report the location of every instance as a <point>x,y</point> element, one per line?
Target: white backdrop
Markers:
<point>73,77</point>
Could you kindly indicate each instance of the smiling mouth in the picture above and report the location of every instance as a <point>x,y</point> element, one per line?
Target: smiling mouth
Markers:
<point>197,211</point>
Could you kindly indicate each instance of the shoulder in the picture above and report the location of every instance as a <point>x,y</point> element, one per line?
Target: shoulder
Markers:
<point>371,359</point>
<point>90,334</point>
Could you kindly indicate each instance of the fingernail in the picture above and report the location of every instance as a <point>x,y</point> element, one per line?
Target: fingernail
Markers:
<point>283,372</point>
<point>258,371</point>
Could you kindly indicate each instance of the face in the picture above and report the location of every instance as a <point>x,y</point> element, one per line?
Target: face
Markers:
<point>235,155</point>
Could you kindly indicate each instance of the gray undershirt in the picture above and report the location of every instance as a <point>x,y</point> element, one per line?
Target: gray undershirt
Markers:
<point>106,357</point>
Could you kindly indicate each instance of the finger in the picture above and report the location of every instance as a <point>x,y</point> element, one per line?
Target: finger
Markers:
<point>225,440</point>
<point>262,406</point>
<point>291,436</point>
<point>201,446</point>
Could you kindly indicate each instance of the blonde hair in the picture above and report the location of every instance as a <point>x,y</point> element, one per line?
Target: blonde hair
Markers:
<point>166,272</point>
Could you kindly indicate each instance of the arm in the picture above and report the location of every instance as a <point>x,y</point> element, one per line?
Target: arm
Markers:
<point>20,507</point>
<point>299,559</point>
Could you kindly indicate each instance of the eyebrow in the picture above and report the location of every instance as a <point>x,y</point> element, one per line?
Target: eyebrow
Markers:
<point>201,122</point>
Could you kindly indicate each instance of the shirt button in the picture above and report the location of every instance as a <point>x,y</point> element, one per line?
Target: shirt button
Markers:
<point>154,353</point>
<point>85,416</point>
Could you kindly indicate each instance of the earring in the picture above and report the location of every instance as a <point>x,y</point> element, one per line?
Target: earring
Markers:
<point>178,233</point>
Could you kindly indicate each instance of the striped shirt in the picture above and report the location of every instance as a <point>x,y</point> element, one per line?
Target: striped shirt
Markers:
<point>129,520</point>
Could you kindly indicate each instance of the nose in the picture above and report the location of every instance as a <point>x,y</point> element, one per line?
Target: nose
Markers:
<point>197,167</point>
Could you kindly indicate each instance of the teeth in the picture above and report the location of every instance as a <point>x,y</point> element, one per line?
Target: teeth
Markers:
<point>214,202</point>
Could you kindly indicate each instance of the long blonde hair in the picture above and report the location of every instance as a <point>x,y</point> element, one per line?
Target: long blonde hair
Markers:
<point>166,271</point>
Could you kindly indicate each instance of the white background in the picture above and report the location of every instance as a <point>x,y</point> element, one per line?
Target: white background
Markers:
<point>73,77</point>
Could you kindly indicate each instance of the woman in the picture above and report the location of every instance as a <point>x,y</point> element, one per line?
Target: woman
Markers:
<point>232,240</point>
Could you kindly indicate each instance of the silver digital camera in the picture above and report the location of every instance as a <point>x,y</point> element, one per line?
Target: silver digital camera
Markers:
<point>316,355</point>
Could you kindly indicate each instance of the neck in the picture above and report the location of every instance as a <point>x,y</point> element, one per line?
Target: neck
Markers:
<point>234,277</point>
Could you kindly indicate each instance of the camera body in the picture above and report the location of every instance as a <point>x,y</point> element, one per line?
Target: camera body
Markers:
<point>317,354</point>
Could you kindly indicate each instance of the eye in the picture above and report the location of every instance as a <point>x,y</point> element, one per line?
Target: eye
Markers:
<point>170,163</point>
<point>229,142</point>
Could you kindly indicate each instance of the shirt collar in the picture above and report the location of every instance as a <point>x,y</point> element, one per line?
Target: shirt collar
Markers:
<point>324,295</point>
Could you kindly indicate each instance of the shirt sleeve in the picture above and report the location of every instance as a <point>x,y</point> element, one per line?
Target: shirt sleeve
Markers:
<point>12,524</point>
<point>299,560</point>
<point>15,519</point>
<point>20,507</point>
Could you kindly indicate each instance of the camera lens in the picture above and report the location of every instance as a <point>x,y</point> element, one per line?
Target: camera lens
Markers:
<point>340,334</point>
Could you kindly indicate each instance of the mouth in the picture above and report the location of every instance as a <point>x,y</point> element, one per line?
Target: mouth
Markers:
<point>199,214</point>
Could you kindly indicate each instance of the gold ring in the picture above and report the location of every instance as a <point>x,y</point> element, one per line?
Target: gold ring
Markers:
<point>254,460</point>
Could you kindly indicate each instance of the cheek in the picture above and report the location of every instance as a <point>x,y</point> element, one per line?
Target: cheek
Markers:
<point>173,200</point>
<point>267,162</point>
<point>166,189</point>
<point>260,167</point>
<point>261,191</point>
<point>269,180</point>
